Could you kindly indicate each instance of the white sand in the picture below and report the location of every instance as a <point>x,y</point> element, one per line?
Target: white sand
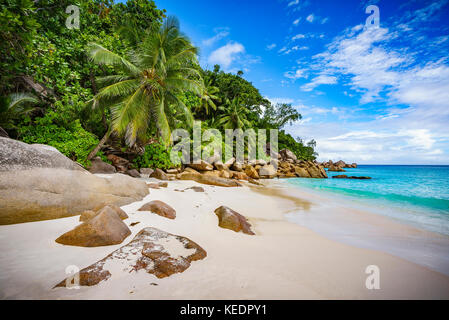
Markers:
<point>282,261</point>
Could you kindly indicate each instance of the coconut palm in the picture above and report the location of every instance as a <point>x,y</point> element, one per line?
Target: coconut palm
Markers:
<point>234,115</point>
<point>144,92</point>
<point>13,106</point>
<point>208,96</point>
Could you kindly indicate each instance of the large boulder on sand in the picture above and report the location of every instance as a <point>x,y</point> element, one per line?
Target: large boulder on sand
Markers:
<point>17,155</point>
<point>230,219</point>
<point>153,250</point>
<point>44,184</point>
<point>208,179</point>
<point>160,208</point>
<point>99,166</point>
<point>104,229</point>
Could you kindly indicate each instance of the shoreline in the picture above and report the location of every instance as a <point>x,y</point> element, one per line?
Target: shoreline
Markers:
<point>282,261</point>
<point>361,225</point>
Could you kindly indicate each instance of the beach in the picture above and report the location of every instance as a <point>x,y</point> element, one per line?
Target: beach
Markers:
<point>283,260</point>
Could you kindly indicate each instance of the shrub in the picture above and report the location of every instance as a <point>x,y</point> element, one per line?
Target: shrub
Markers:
<point>155,156</point>
<point>74,142</point>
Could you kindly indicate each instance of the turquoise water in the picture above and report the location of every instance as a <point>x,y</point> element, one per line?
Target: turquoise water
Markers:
<point>418,195</point>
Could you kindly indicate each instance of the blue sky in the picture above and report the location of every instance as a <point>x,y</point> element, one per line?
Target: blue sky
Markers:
<point>370,95</point>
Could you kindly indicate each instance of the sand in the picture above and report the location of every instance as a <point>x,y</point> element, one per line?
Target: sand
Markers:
<point>282,261</point>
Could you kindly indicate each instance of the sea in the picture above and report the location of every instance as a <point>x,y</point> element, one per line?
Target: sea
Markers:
<point>413,194</point>
<point>409,195</point>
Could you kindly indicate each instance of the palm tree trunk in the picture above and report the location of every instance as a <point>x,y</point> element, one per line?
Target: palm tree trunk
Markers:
<point>94,152</point>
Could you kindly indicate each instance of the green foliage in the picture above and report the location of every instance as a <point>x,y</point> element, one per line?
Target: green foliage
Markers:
<point>156,155</point>
<point>150,79</point>
<point>73,141</point>
<point>303,152</point>
<point>18,28</point>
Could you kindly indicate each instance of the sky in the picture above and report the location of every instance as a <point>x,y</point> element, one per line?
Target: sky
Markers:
<point>368,93</point>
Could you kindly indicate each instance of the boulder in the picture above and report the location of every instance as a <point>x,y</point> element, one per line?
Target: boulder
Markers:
<point>16,155</point>
<point>159,174</point>
<point>46,193</point>
<point>172,171</point>
<point>159,208</point>
<point>219,165</point>
<point>133,173</point>
<point>191,170</point>
<point>251,172</point>
<point>225,174</point>
<point>208,179</point>
<point>214,173</point>
<point>155,251</point>
<point>88,214</point>
<point>302,172</point>
<point>315,171</point>
<point>120,163</point>
<point>201,165</point>
<point>195,188</point>
<point>335,168</point>
<point>354,165</point>
<point>99,166</point>
<point>239,175</point>
<point>104,229</point>
<point>230,219</point>
<point>237,166</point>
<point>146,172</point>
<point>340,164</point>
<point>267,171</point>
<point>287,155</point>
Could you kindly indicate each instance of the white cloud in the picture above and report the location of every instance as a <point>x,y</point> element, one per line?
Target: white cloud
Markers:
<point>271,46</point>
<point>310,18</point>
<point>324,20</point>
<point>299,73</point>
<point>319,80</point>
<point>293,3</point>
<point>296,21</point>
<point>226,54</point>
<point>220,34</point>
<point>298,36</point>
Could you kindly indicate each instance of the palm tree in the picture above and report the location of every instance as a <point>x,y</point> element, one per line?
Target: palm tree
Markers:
<point>208,96</point>
<point>144,91</point>
<point>234,115</point>
<point>14,106</point>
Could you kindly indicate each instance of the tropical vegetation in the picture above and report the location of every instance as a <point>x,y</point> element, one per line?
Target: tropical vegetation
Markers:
<point>125,79</point>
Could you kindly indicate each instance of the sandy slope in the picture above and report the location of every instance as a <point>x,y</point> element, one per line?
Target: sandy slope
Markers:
<point>282,261</point>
